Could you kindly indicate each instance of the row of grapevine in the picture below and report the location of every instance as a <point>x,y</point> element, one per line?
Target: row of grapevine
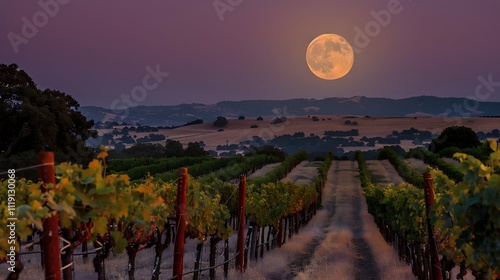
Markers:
<point>223,178</point>
<point>280,171</point>
<point>118,165</point>
<point>437,162</point>
<point>322,175</point>
<point>231,172</point>
<point>364,175</point>
<point>464,216</point>
<point>112,213</point>
<point>279,199</point>
<point>287,206</point>
<point>404,170</point>
<point>202,168</point>
<point>399,212</point>
<point>119,216</point>
<point>142,170</point>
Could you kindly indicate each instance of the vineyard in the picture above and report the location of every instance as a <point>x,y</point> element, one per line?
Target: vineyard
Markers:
<point>114,227</point>
<point>100,212</point>
<point>459,214</point>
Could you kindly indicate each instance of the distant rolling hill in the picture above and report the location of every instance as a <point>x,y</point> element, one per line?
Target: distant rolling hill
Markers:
<point>358,105</point>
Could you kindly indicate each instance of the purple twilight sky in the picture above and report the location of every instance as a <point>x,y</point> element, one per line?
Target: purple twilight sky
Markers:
<point>98,50</point>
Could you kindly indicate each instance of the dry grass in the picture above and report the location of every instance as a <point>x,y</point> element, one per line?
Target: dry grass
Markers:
<point>239,130</point>
<point>334,258</point>
<point>390,266</point>
<point>275,263</point>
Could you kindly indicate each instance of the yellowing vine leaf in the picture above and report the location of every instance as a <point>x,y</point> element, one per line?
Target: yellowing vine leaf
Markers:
<point>100,226</point>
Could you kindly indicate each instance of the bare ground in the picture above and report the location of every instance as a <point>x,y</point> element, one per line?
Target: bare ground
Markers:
<point>354,260</point>
<point>353,248</point>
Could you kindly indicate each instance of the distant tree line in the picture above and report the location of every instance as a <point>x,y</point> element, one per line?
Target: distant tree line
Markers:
<point>172,148</point>
<point>339,133</point>
<point>142,128</point>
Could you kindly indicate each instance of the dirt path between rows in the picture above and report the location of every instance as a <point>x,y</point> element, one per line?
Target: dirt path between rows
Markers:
<point>340,242</point>
<point>350,247</point>
<point>343,227</point>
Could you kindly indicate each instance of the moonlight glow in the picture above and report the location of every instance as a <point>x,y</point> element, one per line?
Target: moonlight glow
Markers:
<point>329,56</point>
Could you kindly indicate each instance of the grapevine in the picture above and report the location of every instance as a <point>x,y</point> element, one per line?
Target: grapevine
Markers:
<point>464,216</point>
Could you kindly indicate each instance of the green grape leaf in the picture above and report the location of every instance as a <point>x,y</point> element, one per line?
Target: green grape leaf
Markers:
<point>100,226</point>
<point>65,220</point>
<point>102,188</point>
<point>120,242</point>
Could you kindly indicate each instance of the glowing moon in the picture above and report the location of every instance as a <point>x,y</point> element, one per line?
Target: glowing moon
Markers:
<point>329,56</point>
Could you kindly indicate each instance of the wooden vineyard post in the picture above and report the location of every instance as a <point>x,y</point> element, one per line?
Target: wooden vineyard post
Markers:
<point>180,222</point>
<point>429,202</point>
<point>50,237</point>
<point>241,223</point>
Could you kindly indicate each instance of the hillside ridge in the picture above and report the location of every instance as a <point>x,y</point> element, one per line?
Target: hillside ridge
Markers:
<point>174,115</point>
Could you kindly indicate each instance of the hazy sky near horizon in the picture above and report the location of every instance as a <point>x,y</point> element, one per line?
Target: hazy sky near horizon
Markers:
<point>98,51</point>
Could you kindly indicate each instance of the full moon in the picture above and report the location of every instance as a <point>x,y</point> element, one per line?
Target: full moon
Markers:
<point>329,56</point>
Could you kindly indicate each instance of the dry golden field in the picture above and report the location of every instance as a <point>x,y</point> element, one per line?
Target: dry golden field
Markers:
<point>239,130</point>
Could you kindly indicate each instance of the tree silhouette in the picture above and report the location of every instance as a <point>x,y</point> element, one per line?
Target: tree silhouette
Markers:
<point>194,149</point>
<point>35,120</point>
<point>173,148</point>
<point>220,121</point>
<point>455,136</point>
